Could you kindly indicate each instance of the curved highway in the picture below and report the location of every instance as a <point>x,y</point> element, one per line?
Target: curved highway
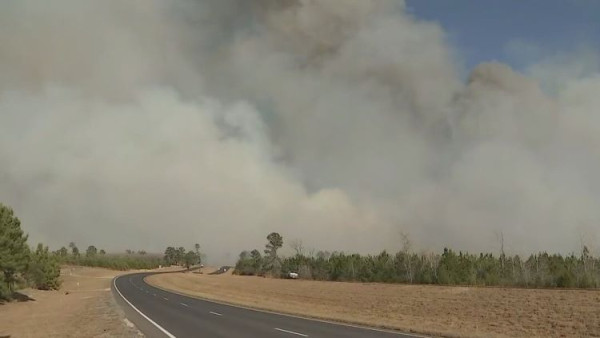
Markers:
<point>158,313</point>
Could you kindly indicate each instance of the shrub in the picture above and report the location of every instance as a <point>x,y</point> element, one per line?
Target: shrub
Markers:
<point>43,271</point>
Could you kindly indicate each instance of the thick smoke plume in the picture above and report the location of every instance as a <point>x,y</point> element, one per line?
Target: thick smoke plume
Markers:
<point>138,124</point>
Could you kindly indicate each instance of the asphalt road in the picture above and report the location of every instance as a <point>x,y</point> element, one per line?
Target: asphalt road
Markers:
<point>158,313</point>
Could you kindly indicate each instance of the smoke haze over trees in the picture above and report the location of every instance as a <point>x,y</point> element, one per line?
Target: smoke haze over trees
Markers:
<point>447,268</point>
<point>340,122</point>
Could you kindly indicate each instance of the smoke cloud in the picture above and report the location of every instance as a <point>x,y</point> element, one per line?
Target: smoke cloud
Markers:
<point>343,123</point>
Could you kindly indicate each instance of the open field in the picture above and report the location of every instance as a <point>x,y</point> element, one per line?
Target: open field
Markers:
<point>88,310</point>
<point>438,310</point>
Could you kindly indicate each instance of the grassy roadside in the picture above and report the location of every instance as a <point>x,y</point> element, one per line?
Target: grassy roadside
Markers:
<point>435,310</point>
<point>83,307</point>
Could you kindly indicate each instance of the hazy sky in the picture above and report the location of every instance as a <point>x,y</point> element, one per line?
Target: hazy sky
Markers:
<point>141,124</point>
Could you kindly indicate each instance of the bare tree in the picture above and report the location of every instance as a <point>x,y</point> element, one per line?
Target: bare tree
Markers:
<point>500,237</point>
<point>406,251</point>
<point>297,246</point>
<point>406,242</point>
<point>434,262</point>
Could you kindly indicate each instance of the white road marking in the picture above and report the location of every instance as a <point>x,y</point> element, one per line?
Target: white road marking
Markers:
<point>184,304</point>
<point>291,332</point>
<point>215,313</point>
<point>141,313</point>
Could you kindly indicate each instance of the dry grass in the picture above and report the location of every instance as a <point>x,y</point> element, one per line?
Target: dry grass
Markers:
<point>89,309</point>
<point>447,311</point>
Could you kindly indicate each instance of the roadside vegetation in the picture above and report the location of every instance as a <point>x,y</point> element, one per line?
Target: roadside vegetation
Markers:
<point>20,265</point>
<point>446,268</point>
<point>179,256</point>
<point>94,258</point>
<point>130,260</point>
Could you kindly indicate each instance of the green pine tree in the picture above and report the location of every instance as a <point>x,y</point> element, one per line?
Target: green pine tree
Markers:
<point>14,253</point>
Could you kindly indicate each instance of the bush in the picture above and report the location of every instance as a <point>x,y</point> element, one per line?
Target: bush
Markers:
<point>43,271</point>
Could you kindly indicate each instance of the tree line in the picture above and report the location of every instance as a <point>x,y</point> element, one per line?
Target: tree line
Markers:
<point>446,268</point>
<point>179,256</point>
<point>94,257</point>
<point>22,266</point>
<point>131,259</point>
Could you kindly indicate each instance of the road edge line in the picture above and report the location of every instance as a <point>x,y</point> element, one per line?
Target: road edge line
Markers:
<point>163,330</point>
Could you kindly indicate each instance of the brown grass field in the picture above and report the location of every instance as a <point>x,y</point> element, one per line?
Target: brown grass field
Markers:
<point>433,310</point>
<point>88,310</point>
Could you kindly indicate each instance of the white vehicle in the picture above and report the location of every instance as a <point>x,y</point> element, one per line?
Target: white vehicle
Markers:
<point>293,275</point>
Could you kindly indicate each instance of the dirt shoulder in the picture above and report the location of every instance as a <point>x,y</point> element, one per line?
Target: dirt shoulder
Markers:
<point>88,310</point>
<point>447,311</point>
